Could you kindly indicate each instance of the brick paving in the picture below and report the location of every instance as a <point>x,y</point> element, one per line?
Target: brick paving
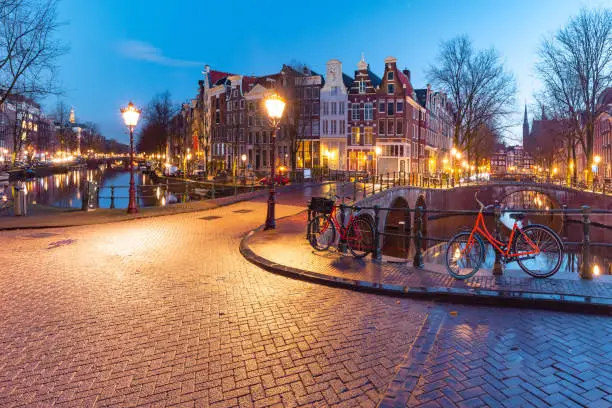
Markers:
<point>288,246</point>
<point>510,358</point>
<point>165,312</point>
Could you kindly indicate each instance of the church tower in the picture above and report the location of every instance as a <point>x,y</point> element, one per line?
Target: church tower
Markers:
<point>72,118</point>
<point>525,127</point>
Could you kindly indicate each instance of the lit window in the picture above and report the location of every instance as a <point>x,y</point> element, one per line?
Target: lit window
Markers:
<point>355,136</point>
<point>368,135</point>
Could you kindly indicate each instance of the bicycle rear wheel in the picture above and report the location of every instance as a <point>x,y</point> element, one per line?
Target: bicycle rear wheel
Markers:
<point>360,237</point>
<point>464,256</point>
<point>321,232</point>
<point>548,261</point>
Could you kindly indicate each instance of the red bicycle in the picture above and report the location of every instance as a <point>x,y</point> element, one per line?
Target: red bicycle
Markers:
<point>358,233</point>
<point>537,248</point>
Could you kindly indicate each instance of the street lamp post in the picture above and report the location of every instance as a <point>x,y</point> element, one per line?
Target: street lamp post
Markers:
<point>378,151</point>
<point>130,117</point>
<point>244,158</point>
<point>275,107</point>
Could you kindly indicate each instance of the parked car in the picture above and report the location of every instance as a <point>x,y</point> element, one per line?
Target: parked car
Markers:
<point>171,171</point>
<point>198,174</point>
<point>223,177</point>
<point>278,179</point>
<point>249,178</point>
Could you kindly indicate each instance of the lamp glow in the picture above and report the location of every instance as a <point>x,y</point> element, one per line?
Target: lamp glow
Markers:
<point>130,115</point>
<point>275,106</point>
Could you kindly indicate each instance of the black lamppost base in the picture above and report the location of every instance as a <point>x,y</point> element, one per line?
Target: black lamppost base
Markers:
<point>132,207</point>
<point>270,218</point>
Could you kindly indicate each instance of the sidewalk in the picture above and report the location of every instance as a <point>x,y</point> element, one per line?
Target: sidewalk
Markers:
<point>286,251</point>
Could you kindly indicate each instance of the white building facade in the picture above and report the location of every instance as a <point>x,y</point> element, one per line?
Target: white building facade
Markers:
<point>334,115</point>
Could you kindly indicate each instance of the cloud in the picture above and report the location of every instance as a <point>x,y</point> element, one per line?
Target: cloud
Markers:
<point>140,50</point>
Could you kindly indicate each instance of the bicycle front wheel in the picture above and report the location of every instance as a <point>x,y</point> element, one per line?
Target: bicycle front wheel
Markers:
<point>360,237</point>
<point>545,262</point>
<point>321,233</point>
<point>464,255</point>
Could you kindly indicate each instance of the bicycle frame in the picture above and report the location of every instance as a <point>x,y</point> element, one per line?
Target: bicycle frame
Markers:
<point>480,228</point>
<point>343,231</point>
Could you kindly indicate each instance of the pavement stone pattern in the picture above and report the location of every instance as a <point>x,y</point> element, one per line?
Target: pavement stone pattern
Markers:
<point>165,312</point>
<point>287,245</point>
<point>511,358</point>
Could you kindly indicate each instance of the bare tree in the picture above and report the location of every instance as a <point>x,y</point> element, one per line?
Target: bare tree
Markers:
<point>294,127</point>
<point>576,67</point>
<point>28,48</point>
<point>479,88</point>
<point>157,117</point>
<point>63,132</point>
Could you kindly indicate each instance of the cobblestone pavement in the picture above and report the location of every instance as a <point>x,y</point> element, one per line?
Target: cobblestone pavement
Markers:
<point>165,312</point>
<point>297,253</point>
<point>510,358</point>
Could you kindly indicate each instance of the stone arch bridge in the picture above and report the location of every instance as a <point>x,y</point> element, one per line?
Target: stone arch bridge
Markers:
<point>462,198</point>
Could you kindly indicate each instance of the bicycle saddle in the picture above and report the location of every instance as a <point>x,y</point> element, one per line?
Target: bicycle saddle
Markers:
<point>517,216</point>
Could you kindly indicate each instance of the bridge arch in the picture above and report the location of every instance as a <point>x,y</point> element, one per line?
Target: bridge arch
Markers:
<point>397,224</point>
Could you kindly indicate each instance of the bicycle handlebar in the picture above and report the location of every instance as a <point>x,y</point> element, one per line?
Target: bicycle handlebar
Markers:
<point>482,206</point>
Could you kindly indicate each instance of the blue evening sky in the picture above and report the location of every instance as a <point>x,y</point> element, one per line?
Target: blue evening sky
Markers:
<point>131,50</point>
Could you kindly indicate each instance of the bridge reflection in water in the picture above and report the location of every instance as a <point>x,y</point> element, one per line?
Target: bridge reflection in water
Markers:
<point>569,228</point>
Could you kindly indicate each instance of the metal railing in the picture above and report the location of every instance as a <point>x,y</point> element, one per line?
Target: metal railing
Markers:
<point>182,191</point>
<point>365,184</point>
<point>418,234</point>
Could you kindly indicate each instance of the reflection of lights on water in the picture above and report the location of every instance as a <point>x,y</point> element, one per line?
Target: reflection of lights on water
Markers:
<point>163,201</point>
<point>457,254</point>
<point>157,192</point>
<point>596,270</point>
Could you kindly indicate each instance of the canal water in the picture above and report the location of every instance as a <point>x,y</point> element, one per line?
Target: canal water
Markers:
<point>64,190</point>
